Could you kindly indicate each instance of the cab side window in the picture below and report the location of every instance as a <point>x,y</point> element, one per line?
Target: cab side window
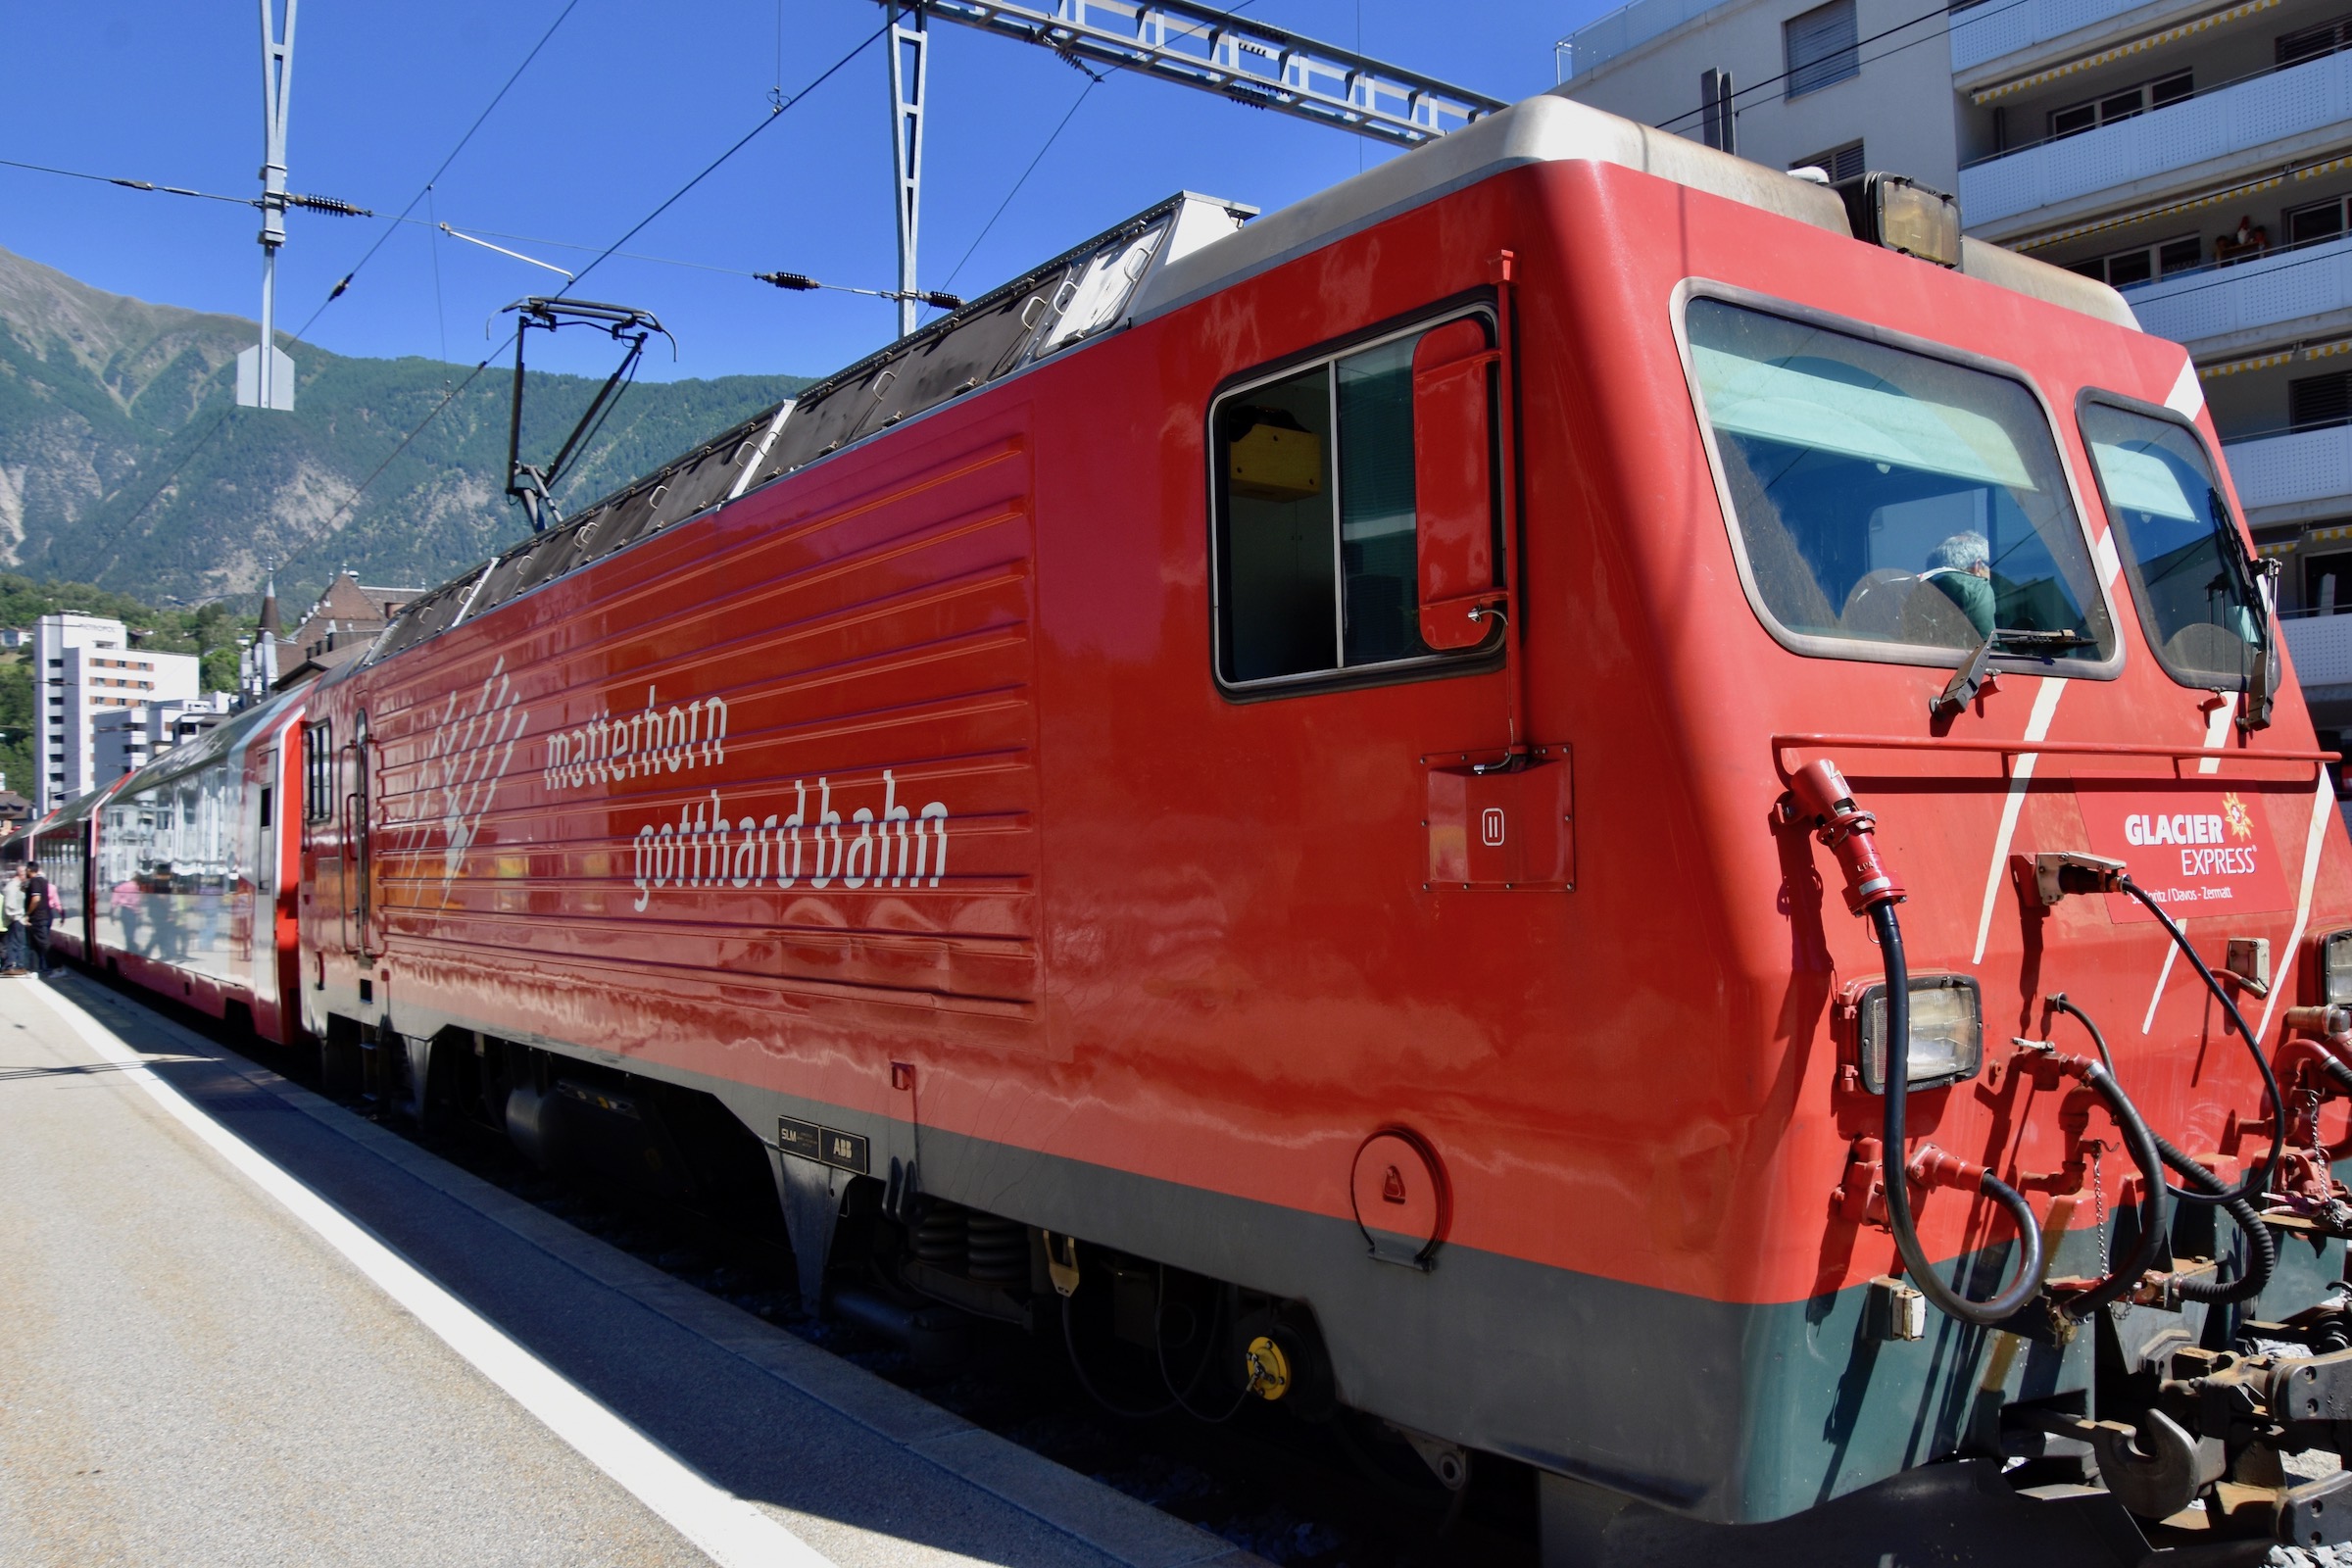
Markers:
<point>1315,529</point>
<point>318,771</point>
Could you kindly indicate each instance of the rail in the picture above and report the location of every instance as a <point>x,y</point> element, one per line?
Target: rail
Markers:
<point>1781,743</point>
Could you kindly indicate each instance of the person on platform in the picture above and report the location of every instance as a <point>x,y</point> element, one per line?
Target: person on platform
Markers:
<point>40,913</point>
<point>12,910</point>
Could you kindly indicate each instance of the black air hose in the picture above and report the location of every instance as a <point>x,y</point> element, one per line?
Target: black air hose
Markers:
<point>1069,1338</point>
<point>2337,1071</point>
<point>2155,1222</point>
<point>1950,1302</point>
<point>2258,1178</point>
<point>2262,1251</point>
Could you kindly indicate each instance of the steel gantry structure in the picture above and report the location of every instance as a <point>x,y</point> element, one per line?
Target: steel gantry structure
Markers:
<point>1198,46</point>
<point>264,374</point>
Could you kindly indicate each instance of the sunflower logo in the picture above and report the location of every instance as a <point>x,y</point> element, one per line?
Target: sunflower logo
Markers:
<point>2234,811</point>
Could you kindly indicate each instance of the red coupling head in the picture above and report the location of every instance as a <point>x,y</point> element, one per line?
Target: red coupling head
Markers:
<point>1932,1168</point>
<point>1821,797</point>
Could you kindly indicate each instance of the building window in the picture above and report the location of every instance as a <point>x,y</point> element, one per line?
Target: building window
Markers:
<point>2143,263</point>
<point>2107,109</point>
<point>1715,110</point>
<point>1839,163</point>
<point>1821,47</point>
<point>2311,43</point>
<point>2315,402</point>
<point>1316,526</point>
<point>2321,220</point>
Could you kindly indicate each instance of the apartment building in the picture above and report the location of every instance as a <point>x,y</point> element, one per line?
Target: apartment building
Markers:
<point>83,668</point>
<point>2195,155</point>
<point>123,740</point>
<point>1846,86</point>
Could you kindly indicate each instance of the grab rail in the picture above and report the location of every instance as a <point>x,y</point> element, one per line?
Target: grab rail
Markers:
<point>1781,743</point>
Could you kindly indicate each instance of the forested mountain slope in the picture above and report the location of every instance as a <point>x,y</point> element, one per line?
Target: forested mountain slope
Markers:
<point>124,462</point>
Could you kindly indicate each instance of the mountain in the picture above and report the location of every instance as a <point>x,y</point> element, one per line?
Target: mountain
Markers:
<point>124,463</point>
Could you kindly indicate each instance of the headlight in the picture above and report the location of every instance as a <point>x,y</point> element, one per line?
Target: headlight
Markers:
<point>1947,1030</point>
<point>2335,967</point>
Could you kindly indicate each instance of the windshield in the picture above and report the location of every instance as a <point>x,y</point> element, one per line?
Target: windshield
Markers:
<point>1883,497</point>
<point>2179,547</point>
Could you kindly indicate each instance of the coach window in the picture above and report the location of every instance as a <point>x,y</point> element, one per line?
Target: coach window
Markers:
<point>1891,504</point>
<point>1317,572</point>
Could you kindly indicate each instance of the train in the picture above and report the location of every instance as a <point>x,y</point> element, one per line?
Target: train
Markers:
<point>1406,807</point>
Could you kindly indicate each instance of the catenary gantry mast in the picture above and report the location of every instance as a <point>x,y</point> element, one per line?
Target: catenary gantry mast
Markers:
<point>264,373</point>
<point>1197,46</point>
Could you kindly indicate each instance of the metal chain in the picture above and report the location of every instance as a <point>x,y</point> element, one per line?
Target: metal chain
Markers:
<point>2098,1194</point>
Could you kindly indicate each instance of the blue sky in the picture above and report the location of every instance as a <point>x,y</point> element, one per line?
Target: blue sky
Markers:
<point>630,99</point>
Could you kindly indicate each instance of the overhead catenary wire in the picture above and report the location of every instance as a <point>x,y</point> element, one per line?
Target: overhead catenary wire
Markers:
<point>1977,14</point>
<point>417,429</point>
<point>775,114</point>
<point>479,237</point>
<point>332,204</point>
<point>423,191</point>
<point>129,184</point>
<point>608,252</point>
<point>1079,103</point>
<point>171,474</point>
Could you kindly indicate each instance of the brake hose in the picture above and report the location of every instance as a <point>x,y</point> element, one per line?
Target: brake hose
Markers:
<point>2260,1177</point>
<point>2147,1152</point>
<point>1897,1094</point>
<point>2262,1251</point>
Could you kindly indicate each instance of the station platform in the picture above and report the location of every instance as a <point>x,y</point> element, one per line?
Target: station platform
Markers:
<point>242,1325</point>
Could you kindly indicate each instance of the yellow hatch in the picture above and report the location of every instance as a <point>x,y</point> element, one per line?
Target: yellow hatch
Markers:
<point>1276,464</point>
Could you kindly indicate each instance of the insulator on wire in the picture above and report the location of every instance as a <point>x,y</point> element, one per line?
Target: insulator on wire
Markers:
<point>944,299</point>
<point>792,281</point>
<point>328,204</point>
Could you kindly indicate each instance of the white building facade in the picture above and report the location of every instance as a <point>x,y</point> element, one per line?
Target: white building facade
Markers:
<point>84,668</point>
<point>123,740</point>
<point>2197,156</point>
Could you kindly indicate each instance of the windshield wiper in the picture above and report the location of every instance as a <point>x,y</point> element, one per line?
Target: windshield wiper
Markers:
<point>1961,690</point>
<point>2014,639</point>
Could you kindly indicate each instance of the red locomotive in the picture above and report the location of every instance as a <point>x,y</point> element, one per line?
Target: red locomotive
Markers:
<point>1304,765</point>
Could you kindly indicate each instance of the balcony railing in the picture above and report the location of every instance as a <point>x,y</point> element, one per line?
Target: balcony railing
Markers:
<point>1988,31</point>
<point>2277,471</point>
<point>1628,27</point>
<point>2216,301</point>
<point>2321,648</point>
<point>2237,119</point>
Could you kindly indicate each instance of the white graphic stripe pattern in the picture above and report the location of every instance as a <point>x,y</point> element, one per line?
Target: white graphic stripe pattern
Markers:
<point>2037,727</point>
<point>2322,807</point>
